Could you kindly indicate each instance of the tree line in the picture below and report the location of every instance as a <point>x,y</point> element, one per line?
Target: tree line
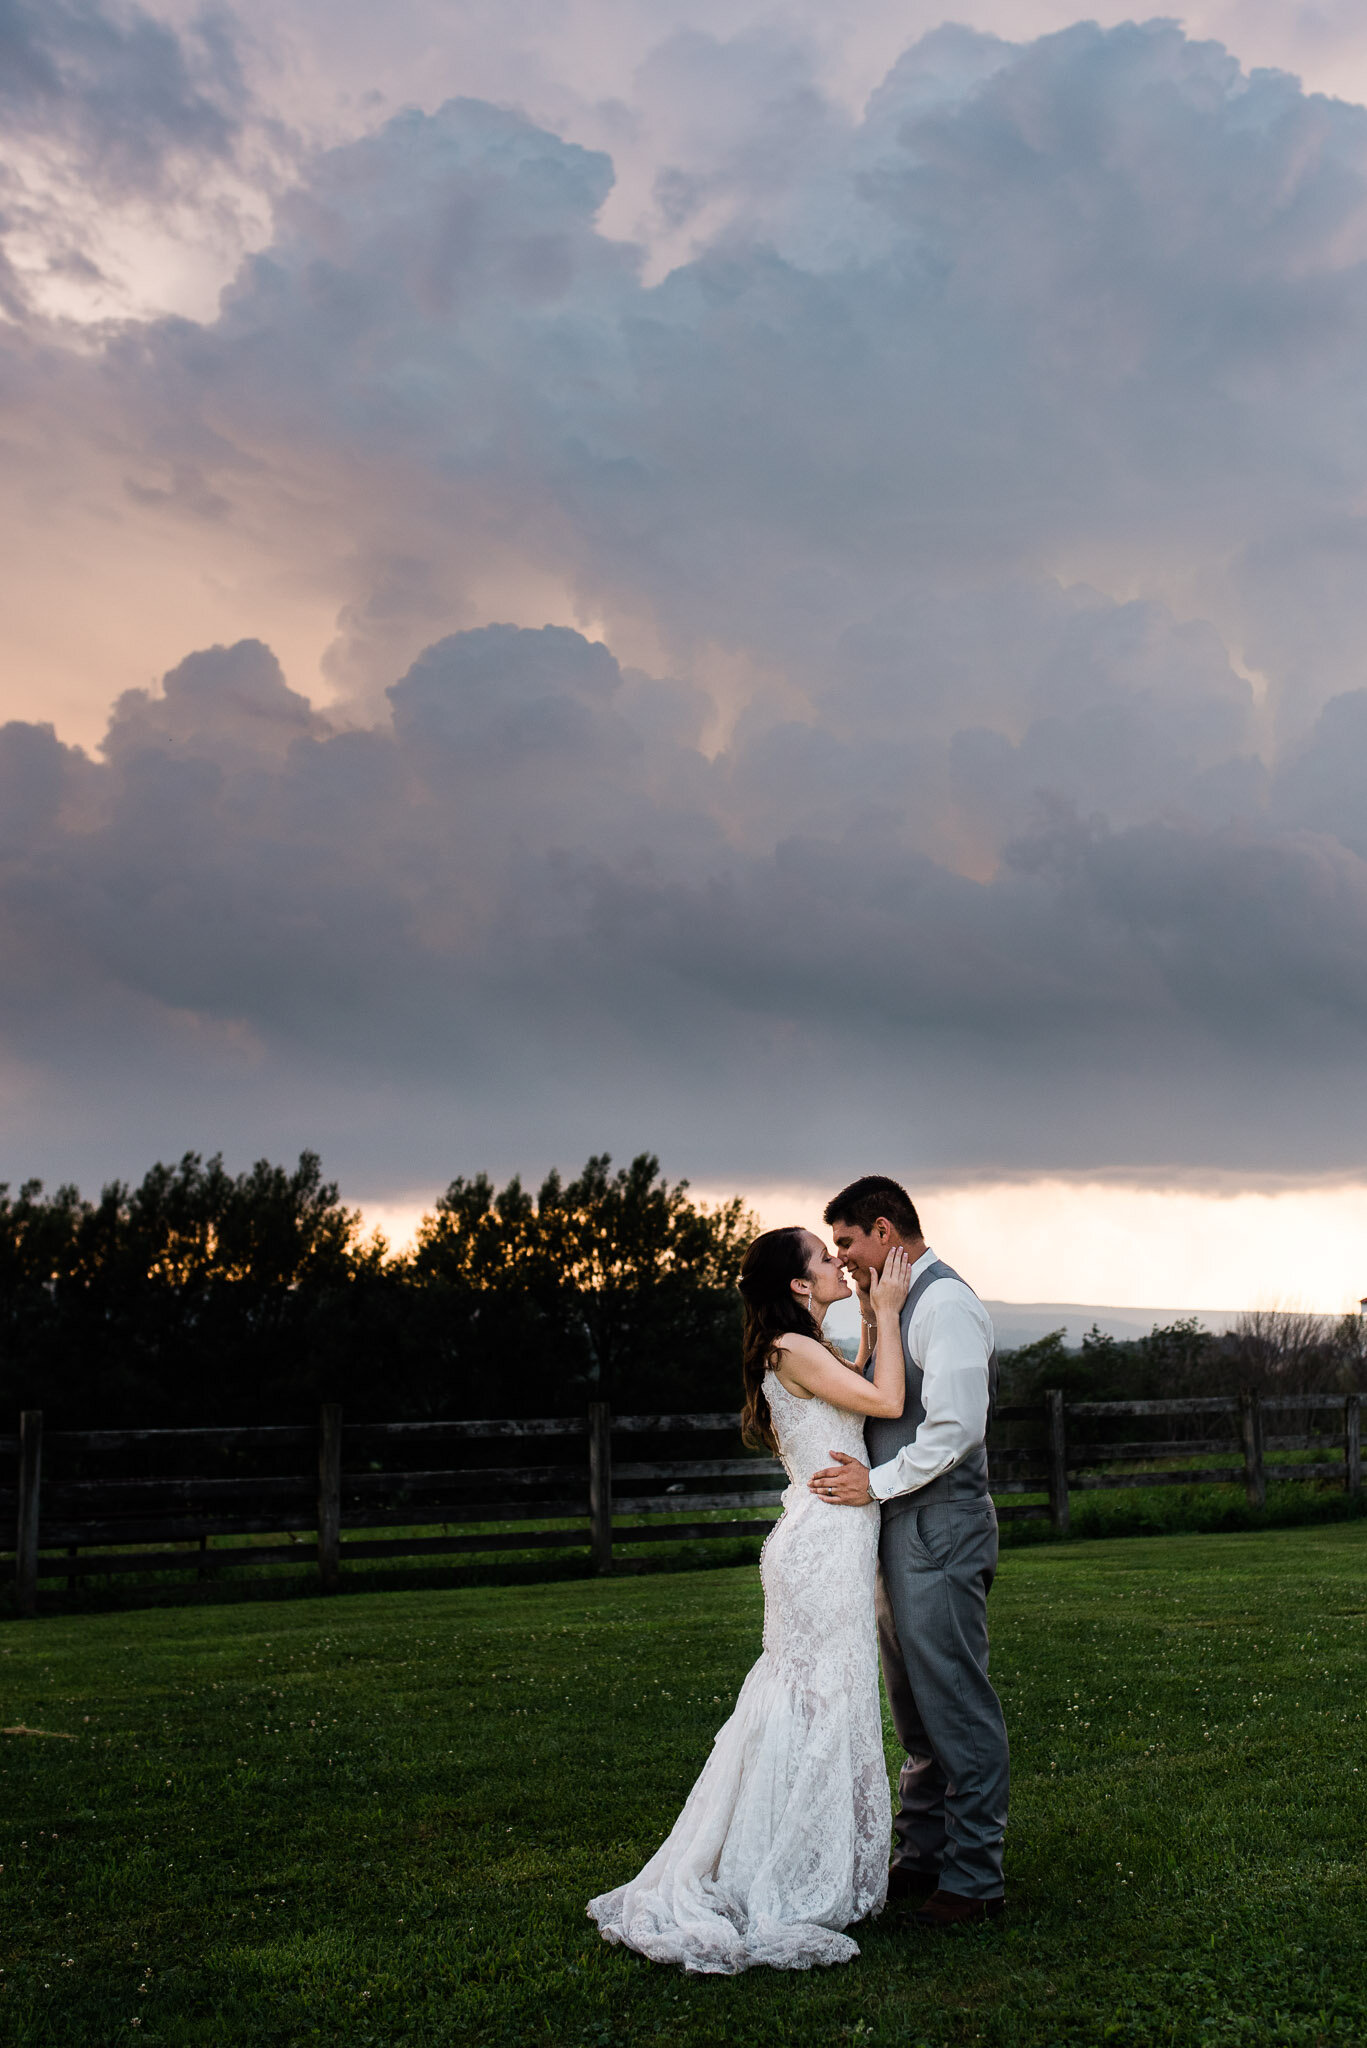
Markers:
<point>205,1297</point>
<point>1268,1351</point>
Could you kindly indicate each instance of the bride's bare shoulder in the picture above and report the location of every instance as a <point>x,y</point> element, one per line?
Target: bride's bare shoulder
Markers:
<point>792,1344</point>
<point>792,1351</point>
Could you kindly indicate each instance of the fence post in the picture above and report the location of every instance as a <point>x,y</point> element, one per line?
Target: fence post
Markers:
<point>1251,1433</point>
<point>1352,1444</point>
<point>1058,1460</point>
<point>26,1535</point>
<point>330,1495</point>
<point>600,1484</point>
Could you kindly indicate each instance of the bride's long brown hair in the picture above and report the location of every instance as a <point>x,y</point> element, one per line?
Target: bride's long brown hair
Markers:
<point>772,1310</point>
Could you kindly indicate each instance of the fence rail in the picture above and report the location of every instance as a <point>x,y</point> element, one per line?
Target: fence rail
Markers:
<point>75,1523</point>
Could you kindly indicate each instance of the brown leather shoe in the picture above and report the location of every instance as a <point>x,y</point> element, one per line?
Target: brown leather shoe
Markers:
<point>952,1909</point>
<point>906,1881</point>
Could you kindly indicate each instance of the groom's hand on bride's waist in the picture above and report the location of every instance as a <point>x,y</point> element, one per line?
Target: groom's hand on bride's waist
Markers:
<point>844,1484</point>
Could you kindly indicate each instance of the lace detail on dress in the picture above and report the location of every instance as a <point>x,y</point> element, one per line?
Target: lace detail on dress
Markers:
<point>783,1840</point>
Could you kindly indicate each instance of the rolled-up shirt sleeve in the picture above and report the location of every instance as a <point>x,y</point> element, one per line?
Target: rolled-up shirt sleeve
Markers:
<point>951,1338</point>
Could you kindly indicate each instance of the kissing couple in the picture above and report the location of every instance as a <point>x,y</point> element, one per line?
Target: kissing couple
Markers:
<point>783,1840</point>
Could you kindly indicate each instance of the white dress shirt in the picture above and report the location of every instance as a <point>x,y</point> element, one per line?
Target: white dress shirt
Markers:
<point>950,1337</point>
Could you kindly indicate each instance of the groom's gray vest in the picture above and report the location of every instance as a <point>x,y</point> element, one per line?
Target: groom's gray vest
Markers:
<point>885,1435</point>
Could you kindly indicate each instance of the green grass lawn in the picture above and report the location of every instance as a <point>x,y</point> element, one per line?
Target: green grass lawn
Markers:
<point>376,1820</point>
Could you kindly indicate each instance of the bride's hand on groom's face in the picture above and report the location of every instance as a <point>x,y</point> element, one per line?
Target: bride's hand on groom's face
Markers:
<point>890,1288</point>
<point>860,1279</point>
<point>844,1484</point>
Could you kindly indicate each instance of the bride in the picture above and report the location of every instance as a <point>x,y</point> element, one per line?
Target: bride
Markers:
<point>783,1840</point>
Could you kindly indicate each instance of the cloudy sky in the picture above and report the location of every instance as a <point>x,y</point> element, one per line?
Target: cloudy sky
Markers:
<point>779,585</point>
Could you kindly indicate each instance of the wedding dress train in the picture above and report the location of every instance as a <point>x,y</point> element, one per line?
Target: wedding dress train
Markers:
<point>783,1840</point>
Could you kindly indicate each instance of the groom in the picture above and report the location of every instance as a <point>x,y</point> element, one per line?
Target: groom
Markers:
<point>937,1556</point>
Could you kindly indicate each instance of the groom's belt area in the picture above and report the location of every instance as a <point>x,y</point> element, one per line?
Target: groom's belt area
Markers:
<point>958,1486</point>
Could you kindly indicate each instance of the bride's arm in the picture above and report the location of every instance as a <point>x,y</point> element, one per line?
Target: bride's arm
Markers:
<point>807,1366</point>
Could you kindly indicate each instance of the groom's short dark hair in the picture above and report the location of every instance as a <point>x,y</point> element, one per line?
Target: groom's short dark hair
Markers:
<point>864,1201</point>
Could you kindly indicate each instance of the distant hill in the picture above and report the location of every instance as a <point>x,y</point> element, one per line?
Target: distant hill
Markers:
<point>1021,1322</point>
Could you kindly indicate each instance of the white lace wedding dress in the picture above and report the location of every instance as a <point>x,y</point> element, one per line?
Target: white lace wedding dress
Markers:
<point>783,1840</point>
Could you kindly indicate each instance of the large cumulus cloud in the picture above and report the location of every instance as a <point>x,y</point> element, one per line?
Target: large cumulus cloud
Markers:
<point>971,743</point>
<point>529,906</point>
<point>1091,310</point>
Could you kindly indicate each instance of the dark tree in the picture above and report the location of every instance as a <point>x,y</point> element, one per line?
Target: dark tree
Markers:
<point>197,1296</point>
<point>611,1286</point>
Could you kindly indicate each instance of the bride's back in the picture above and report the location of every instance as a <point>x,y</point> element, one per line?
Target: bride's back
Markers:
<point>809,1430</point>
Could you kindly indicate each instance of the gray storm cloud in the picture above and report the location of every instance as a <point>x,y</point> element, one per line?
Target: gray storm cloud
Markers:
<point>1009,441</point>
<point>121,91</point>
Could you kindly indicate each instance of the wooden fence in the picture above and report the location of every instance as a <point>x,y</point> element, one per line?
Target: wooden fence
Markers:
<point>93,1502</point>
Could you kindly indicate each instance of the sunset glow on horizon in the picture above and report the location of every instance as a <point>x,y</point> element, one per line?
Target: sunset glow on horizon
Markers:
<point>1302,1248</point>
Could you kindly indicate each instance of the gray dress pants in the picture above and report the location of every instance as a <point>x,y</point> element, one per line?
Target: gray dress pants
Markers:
<point>936,1564</point>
